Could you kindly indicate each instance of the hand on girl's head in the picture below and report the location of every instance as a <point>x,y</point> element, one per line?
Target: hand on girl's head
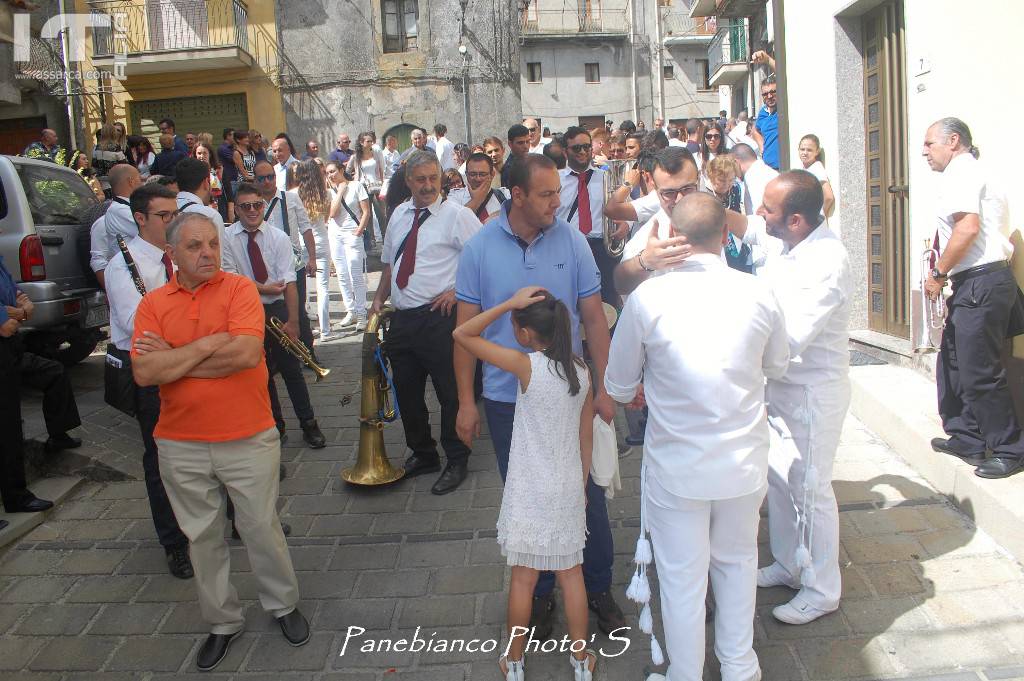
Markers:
<point>526,296</point>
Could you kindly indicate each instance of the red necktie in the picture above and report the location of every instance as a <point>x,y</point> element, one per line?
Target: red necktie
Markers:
<point>408,265</point>
<point>259,268</point>
<point>168,268</point>
<point>583,197</point>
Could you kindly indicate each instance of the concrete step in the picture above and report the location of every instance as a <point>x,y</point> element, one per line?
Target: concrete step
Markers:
<point>55,489</point>
<point>899,405</point>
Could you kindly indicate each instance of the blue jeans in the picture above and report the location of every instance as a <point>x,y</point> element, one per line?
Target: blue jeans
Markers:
<point>598,553</point>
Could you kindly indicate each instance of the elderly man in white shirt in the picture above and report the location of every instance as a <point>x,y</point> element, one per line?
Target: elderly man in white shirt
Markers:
<point>281,149</point>
<point>255,249</point>
<point>705,465</point>
<point>424,240</point>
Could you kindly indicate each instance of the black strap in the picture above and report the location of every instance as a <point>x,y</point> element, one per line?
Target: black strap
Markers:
<point>401,247</point>
<point>123,202</point>
<point>482,210</point>
<point>284,211</point>
<point>347,209</point>
<point>576,201</point>
<point>187,204</point>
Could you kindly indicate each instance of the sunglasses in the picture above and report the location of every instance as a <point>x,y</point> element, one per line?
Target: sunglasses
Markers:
<point>251,205</point>
<point>715,136</point>
<point>265,178</point>
<point>580,148</point>
<point>768,92</point>
<point>533,129</point>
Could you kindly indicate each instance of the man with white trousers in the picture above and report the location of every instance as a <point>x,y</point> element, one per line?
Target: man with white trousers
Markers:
<point>703,367</point>
<point>808,269</point>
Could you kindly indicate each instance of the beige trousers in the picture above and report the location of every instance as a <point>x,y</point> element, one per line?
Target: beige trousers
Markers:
<point>193,473</point>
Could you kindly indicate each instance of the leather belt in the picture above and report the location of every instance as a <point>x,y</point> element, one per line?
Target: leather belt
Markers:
<point>972,272</point>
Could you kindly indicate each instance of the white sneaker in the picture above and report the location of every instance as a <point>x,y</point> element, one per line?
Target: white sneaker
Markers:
<point>327,337</point>
<point>348,320</point>
<point>583,670</point>
<point>656,677</point>
<point>514,671</point>
<point>773,575</point>
<point>798,611</point>
<point>361,324</point>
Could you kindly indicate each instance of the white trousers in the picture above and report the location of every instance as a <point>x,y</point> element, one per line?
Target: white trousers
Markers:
<point>691,538</point>
<point>193,473</point>
<point>323,294</point>
<point>806,424</point>
<point>349,258</point>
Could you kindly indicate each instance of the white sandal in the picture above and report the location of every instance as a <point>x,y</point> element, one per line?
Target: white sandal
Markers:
<point>512,670</point>
<point>583,670</point>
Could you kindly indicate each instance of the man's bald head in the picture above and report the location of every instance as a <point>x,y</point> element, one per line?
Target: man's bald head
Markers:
<point>700,218</point>
<point>123,178</point>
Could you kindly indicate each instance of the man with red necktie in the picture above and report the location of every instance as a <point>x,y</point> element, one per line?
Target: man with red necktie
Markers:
<point>479,196</point>
<point>153,206</point>
<point>583,205</point>
<point>424,240</point>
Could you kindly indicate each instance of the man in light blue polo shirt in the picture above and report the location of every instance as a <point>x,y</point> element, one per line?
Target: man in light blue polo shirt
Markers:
<point>526,245</point>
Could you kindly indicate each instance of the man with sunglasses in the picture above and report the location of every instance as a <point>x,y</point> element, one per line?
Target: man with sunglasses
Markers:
<point>582,205</point>
<point>537,139</point>
<point>153,206</point>
<point>766,127</point>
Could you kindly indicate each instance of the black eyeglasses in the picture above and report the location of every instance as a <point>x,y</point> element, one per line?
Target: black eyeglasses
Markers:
<point>165,215</point>
<point>580,148</point>
<point>265,178</point>
<point>251,205</point>
<point>670,195</point>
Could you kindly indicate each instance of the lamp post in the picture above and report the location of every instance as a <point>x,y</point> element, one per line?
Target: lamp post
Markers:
<point>464,51</point>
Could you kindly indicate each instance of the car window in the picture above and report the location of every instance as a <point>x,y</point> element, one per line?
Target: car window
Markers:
<point>55,196</point>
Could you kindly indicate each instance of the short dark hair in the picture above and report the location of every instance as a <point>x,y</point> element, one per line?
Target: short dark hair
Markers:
<point>440,129</point>
<point>557,156</point>
<point>227,131</point>
<point>479,157</point>
<point>627,126</point>
<point>169,122</point>
<point>692,126</point>
<point>191,173</point>
<point>246,188</point>
<point>522,169</point>
<point>264,160</point>
<point>672,159</point>
<point>284,136</point>
<point>516,131</point>
<point>166,180</point>
<point>744,151</point>
<point>145,193</point>
<point>657,139</point>
<point>803,195</point>
<point>645,161</point>
<point>575,131</point>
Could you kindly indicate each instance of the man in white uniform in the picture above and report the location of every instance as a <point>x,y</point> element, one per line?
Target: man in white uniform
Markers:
<point>193,178</point>
<point>479,196</point>
<point>755,173</point>
<point>118,219</point>
<point>444,147</point>
<point>703,367</point>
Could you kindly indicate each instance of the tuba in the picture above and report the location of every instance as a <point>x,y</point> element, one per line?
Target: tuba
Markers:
<point>297,348</point>
<point>613,179</point>
<point>931,314</point>
<point>375,409</point>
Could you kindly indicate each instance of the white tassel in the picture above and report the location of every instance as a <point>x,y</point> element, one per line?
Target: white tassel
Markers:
<point>646,620</point>
<point>639,590</point>
<point>643,552</point>
<point>802,557</point>
<point>808,576</point>
<point>657,657</point>
<point>811,479</point>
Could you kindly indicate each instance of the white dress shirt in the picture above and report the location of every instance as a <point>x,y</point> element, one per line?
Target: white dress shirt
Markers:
<point>98,257</point>
<point>491,208</point>
<point>539,149</point>
<point>814,286</point>
<point>281,171</point>
<point>702,338</point>
<point>122,296</point>
<point>118,220</point>
<point>755,180</point>
<point>297,220</point>
<point>276,250</point>
<point>390,161</point>
<point>196,205</point>
<point>445,150</point>
<point>965,188</point>
<point>439,244</point>
<point>595,189</point>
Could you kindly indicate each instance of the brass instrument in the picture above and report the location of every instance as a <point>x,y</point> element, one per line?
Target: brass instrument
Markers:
<point>613,179</point>
<point>275,327</point>
<point>931,314</point>
<point>375,409</point>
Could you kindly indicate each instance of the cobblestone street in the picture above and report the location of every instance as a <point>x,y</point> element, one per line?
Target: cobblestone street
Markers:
<point>87,595</point>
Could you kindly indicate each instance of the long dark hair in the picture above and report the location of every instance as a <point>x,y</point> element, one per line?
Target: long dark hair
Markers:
<point>549,319</point>
<point>705,150</point>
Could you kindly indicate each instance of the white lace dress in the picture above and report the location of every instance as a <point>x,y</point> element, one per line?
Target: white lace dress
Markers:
<point>542,524</point>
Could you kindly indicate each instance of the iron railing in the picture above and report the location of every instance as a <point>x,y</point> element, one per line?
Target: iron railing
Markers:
<point>574,22</point>
<point>729,46</point>
<point>170,25</point>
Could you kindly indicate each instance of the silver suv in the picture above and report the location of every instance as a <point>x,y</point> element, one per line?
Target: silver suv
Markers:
<point>44,209</point>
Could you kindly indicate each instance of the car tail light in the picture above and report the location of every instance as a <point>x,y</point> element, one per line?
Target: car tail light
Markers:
<point>30,254</point>
<point>72,307</point>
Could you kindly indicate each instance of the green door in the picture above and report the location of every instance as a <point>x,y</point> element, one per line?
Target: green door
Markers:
<point>209,114</point>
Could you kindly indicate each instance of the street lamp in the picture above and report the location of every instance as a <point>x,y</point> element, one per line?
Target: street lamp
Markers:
<point>464,51</point>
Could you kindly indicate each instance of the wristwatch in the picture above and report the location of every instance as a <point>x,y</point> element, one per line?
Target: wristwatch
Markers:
<point>936,274</point>
<point>626,183</point>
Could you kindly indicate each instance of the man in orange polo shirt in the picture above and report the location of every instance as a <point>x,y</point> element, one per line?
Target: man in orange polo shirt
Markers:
<point>200,338</point>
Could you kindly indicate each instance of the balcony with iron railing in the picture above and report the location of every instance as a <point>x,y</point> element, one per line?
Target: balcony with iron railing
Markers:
<point>679,29</point>
<point>162,36</point>
<point>735,9</point>
<point>556,24</point>
<point>727,54</point>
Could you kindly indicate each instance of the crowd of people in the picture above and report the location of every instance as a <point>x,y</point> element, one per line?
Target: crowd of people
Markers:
<point>732,297</point>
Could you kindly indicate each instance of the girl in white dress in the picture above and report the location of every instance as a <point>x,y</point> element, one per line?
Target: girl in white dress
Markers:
<point>542,523</point>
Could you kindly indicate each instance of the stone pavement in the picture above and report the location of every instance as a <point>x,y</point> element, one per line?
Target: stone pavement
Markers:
<point>86,595</point>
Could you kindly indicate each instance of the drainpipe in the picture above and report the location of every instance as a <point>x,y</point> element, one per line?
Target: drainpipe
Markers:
<point>632,60</point>
<point>659,76</point>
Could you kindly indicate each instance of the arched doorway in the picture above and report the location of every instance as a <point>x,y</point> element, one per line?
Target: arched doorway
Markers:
<point>402,132</point>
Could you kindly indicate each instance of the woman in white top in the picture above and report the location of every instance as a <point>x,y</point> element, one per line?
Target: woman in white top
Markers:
<point>813,158</point>
<point>348,219</point>
<point>311,186</point>
<point>142,154</point>
<point>367,165</point>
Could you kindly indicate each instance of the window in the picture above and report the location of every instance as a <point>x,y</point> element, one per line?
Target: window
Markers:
<point>400,19</point>
<point>669,72</point>
<point>593,72</point>
<point>703,74</point>
<point>55,195</point>
<point>533,72</point>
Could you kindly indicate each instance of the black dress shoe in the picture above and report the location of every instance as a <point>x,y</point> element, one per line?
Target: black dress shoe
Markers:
<point>944,446</point>
<point>609,614</point>
<point>454,474</point>
<point>30,504</point>
<point>418,465</point>
<point>312,435</point>
<point>179,563</point>
<point>3,524</point>
<point>541,616</point>
<point>61,442</point>
<point>294,627</point>
<point>999,467</point>
<point>214,650</point>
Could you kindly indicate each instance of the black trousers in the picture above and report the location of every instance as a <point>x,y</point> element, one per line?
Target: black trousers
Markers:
<point>13,487</point>
<point>419,344</point>
<point>606,265</point>
<point>974,400</point>
<point>147,413</point>
<point>59,408</point>
<point>305,328</point>
<point>281,361</point>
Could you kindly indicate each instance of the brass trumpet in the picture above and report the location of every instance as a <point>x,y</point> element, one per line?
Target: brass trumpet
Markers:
<point>613,179</point>
<point>932,315</point>
<point>275,327</point>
